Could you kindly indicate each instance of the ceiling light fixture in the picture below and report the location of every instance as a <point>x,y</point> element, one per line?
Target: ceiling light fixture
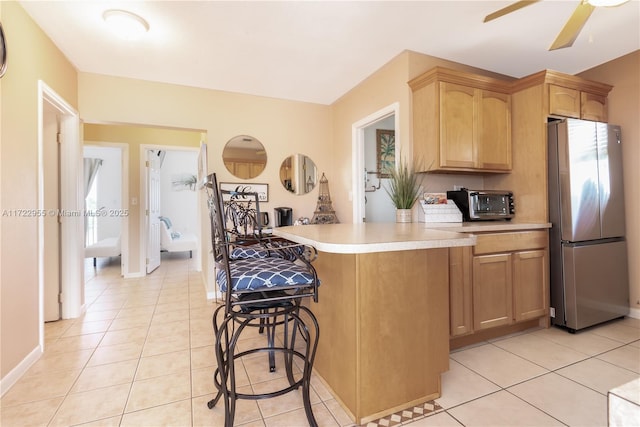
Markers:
<point>606,3</point>
<point>125,24</point>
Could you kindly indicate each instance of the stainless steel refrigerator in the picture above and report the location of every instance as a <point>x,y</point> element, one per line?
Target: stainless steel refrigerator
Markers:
<point>588,255</point>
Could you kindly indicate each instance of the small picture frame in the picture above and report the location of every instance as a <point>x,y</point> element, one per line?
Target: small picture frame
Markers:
<point>385,151</point>
<point>261,189</point>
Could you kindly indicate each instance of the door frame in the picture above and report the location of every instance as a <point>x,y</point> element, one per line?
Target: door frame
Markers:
<point>142,268</point>
<point>71,205</point>
<point>357,138</point>
<point>124,228</point>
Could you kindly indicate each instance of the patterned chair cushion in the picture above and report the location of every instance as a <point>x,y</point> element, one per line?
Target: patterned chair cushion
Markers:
<point>254,274</point>
<point>258,250</point>
<point>250,251</point>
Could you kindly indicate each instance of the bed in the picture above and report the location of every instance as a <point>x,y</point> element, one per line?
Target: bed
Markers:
<point>172,241</point>
<point>104,248</point>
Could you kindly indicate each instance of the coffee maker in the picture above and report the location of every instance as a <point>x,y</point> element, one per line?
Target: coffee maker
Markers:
<point>283,216</point>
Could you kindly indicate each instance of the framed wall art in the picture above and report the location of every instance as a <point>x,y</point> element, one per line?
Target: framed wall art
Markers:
<point>261,189</point>
<point>385,151</point>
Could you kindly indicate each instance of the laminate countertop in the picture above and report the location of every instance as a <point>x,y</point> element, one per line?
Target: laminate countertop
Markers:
<point>487,226</point>
<point>373,237</point>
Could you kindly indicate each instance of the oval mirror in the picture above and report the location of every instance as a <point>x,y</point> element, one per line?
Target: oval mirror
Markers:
<point>244,156</point>
<point>298,174</point>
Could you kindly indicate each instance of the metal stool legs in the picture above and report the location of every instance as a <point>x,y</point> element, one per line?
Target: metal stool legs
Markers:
<point>228,332</point>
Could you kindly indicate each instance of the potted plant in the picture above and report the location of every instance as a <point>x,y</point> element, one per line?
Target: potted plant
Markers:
<point>404,189</point>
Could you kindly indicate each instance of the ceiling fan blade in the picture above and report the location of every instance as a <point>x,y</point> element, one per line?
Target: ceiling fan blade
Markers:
<point>511,8</point>
<point>573,26</point>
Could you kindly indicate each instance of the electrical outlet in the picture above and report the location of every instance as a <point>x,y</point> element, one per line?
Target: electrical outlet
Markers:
<point>552,312</point>
<point>457,187</point>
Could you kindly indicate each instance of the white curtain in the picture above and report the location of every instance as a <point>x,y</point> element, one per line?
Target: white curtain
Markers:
<point>91,167</point>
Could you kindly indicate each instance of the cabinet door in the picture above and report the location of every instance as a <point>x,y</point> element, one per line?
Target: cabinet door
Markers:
<point>593,107</point>
<point>494,144</point>
<point>460,294</point>
<point>457,126</point>
<point>530,284</point>
<point>492,291</point>
<point>564,101</point>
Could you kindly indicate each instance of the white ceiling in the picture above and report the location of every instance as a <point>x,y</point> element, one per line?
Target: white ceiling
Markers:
<point>316,51</point>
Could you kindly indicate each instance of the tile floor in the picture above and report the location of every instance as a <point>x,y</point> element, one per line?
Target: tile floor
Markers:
<point>142,356</point>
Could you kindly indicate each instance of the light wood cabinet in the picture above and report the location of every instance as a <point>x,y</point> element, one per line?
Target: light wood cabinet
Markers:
<point>460,292</point>
<point>510,278</point>
<point>531,284</point>
<point>577,103</point>
<point>492,291</point>
<point>564,101</point>
<point>462,122</point>
<point>593,107</point>
<point>503,280</point>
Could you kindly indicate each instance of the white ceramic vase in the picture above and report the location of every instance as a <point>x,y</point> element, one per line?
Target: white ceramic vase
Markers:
<point>403,215</point>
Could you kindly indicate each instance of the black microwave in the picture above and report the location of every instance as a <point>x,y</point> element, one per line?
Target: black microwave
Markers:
<point>479,205</point>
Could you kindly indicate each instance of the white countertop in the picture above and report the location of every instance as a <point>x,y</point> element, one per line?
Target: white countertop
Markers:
<point>487,226</point>
<point>373,237</point>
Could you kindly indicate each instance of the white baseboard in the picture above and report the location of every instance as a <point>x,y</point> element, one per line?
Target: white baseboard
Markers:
<point>16,373</point>
<point>134,275</point>
<point>212,295</point>
<point>634,312</point>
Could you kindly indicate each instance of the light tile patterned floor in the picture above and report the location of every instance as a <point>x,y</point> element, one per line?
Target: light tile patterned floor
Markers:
<point>142,356</point>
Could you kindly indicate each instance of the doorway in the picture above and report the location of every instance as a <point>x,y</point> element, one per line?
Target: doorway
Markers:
<point>64,226</point>
<point>370,201</point>
<point>106,189</point>
<point>51,171</point>
<point>171,200</point>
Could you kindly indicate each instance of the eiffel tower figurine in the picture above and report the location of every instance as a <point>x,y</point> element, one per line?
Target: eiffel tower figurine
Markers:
<point>324,213</point>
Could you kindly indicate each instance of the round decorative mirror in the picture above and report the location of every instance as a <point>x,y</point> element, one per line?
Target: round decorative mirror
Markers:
<point>244,156</point>
<point>298,174</point>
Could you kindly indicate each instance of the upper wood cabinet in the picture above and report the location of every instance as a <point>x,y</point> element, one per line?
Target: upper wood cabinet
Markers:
<point>578,104</point>
<point>569,96</point>
<point>461,122</point>
<point>593,107</point>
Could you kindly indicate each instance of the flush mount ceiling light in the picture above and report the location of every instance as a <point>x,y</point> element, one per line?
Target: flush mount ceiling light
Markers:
<point>125,24</point>
<point>606,3</point>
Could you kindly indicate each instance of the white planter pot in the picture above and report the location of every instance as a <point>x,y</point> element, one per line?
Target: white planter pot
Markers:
<point>403,215</point>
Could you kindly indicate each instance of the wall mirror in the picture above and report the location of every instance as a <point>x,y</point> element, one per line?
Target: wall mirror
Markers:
<point>244,156</point>
<point>298,174</point>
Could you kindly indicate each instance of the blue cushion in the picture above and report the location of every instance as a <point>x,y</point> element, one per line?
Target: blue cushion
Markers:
<point>264,273</point>
<point>250,251</point>
<point>166,221</point>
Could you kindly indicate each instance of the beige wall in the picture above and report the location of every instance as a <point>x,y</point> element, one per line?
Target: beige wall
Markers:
<point>31,56</point>
<point>135,136</point>
<point>624,109</point>
<point>284,128</point>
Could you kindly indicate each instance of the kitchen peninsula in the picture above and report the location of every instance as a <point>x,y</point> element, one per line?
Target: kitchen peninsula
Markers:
<point>383,311</point>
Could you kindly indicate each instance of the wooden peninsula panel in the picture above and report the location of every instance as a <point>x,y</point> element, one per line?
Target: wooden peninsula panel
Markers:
<point>384,320</point>
<point>383,311</point>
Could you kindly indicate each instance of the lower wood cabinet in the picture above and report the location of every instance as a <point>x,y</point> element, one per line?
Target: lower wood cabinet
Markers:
<point>531,284</point>
<point>502,280</point>
<point>492,291</point>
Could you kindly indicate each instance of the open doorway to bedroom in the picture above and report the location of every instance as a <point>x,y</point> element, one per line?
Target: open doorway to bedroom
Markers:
<point>138,139</point>
<point>171,197</point>
<point>106,176</point>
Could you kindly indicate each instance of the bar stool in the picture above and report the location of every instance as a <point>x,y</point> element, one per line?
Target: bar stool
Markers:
<point>264,283</point>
